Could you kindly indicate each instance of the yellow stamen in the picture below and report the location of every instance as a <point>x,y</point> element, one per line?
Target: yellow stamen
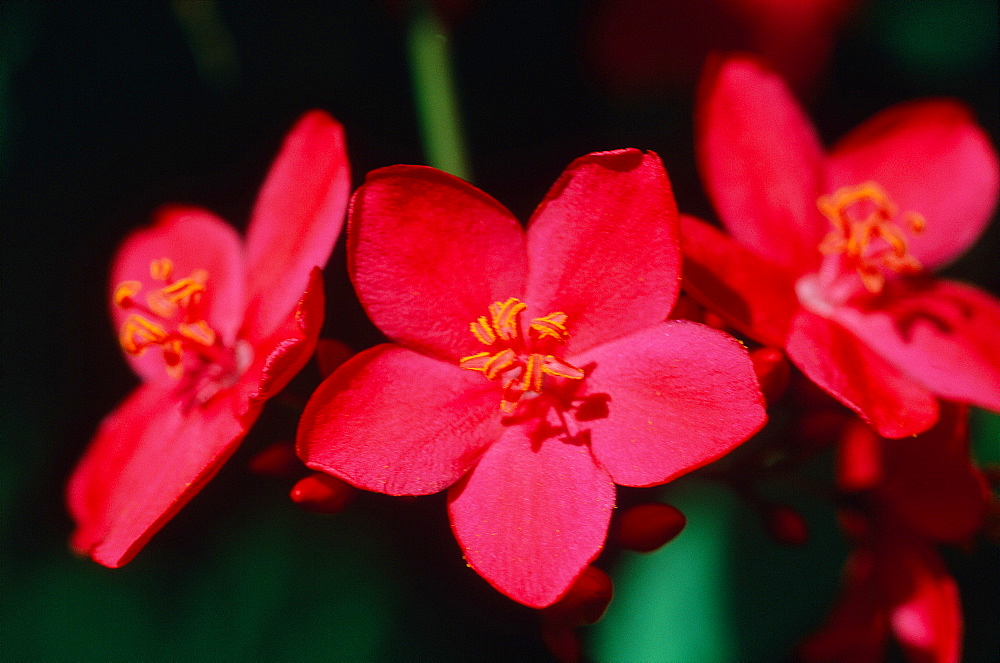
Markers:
<point>860,215</point>
<point>170,317</point>
<point>161,269</point>
<point>199,332</point>
<point>553,325</point>
<point>138,333</point>
<point>125,292</point>
<point>559,368</point>
<point>499,363</point>
<point>482,331</point>
<point>522,370</point>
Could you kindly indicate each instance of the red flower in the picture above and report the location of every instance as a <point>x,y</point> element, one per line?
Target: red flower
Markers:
<point>214,327</point>
<point>530,371</point>
<point>926,492</point>
<point>830,249</point>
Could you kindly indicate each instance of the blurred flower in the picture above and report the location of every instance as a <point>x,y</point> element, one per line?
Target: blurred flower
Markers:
<point>214,326</point>
<point>530,371</point>
<point>927,492</point>
<point>828,252</point>
<point>642,46</point>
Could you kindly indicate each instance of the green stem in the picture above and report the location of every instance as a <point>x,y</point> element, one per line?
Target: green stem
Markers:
<point>429,52</point>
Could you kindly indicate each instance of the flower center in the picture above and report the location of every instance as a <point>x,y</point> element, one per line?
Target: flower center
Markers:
<point>520,359</point>
<point>867,233</point>
<point>170,317</point>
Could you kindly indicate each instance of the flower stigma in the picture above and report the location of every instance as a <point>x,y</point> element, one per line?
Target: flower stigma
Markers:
<point>519,359</point>
<point>861,216</point>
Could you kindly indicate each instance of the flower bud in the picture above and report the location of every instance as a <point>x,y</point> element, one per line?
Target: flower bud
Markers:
<point>646,527</point>
<point>786,525</point>
<point>584,603</point>
<point>772,371</point>
<point>277,460</point>
<point>561,642</point>
<point>322,493</point>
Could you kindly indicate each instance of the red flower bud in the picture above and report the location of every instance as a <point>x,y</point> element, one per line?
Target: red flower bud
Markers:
<point>584,603</point>
<point>772,371</point>
<point>786,525</point>
<point>646,527</point>
<point>322,493</point>
<point>277,460</point>
<point>561,642</point>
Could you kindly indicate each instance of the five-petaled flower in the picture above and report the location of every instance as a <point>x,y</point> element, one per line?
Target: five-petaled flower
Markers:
<point>214,326</point>
<point>530,371</point>
<point>827,252</point>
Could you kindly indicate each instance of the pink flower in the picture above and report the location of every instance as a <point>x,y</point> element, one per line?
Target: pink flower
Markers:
<point>924,492</point>
<point>829,253</point>
<point>214,326</point>
<point>530,371</point>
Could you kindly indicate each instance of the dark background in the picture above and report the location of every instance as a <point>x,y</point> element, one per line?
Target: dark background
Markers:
<point>108,109</point>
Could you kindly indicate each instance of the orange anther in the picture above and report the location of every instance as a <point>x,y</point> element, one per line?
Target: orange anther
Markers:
<point>161,269</point>
<point>199,332</point>
<point>531,380</point>
<point>125,292</point>
<point>559,368</point>
<point>499,363</point>
<point>522,370</point>
<point>860,215</point>
<point>481,329</point>
<point>505,318</point>
<point>137,333</point>
<point>476,362</point>
<point>553,324</point>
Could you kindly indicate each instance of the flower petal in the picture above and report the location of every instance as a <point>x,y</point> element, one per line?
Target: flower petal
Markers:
<point>755,296</point>
<point>680,395</point>
<point>532,514</point>
<point>761,162</point>
<point>942,334</point>
<point>926,613</point>
<point>930,482</point>
<point>602,248</point>
<point>148,459</point>
<point>296,220</point>
<point>857,628</point>
<point>192,239</point>
<point>428,254</point>
<point>279,358</point>
<point>931,158</point>
<point>399,422</point>
<point>859,378</point>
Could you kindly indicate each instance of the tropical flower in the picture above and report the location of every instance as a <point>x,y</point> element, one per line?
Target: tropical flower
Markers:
<point>924,491</point>
<point>530,371</point>
<point>214,326</point>
<point>828,253</point>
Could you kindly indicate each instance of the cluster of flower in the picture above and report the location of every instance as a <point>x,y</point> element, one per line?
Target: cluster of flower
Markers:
<point>532,369</point>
